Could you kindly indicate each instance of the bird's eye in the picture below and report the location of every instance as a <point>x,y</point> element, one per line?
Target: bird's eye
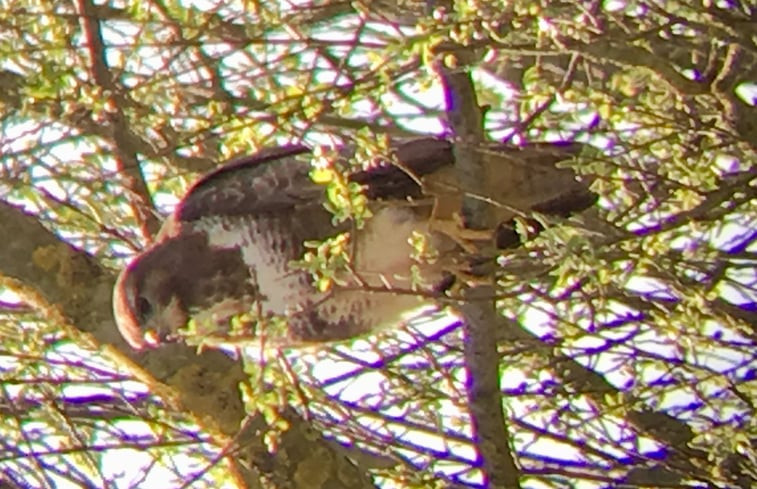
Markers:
<point>144,308</point>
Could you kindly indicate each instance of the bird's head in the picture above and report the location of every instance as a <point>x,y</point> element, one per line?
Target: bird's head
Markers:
<point>180,277</point>
<point>146,307</point>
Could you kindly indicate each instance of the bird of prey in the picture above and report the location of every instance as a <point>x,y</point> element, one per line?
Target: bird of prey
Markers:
<point>230,245</point>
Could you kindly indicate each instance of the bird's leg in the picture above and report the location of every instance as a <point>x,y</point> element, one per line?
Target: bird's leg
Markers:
<point>471,260</point>
<point>456,281</point>
<point>465,268</point>
<point>470,240</point>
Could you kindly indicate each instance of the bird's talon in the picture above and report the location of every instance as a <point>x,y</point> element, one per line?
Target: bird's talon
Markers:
<point>470,240</point>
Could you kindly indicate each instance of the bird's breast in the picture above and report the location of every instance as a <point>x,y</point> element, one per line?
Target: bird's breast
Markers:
<point>377,292</point>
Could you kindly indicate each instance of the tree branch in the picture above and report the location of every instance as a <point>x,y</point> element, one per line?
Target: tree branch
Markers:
<point>125,153</point>
<point>489,422</point>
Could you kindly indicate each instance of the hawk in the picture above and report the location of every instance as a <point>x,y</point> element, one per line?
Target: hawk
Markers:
<point>231,244</point>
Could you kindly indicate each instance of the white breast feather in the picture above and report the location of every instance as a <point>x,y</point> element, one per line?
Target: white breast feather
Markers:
<point>281,289</point>
<point>382,261</point>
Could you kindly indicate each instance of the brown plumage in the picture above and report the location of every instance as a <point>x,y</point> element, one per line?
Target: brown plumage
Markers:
<point>228,247</point>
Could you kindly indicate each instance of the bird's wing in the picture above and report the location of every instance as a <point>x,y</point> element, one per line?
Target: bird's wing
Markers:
<point>399,178</point>
<point>529,178</point>
<point>272,181</point>
<point>275,182</point>
<point>525,177</point>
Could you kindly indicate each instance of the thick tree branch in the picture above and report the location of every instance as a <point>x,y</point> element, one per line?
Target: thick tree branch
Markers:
<point>488,418</point>
<point>61,274</point>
